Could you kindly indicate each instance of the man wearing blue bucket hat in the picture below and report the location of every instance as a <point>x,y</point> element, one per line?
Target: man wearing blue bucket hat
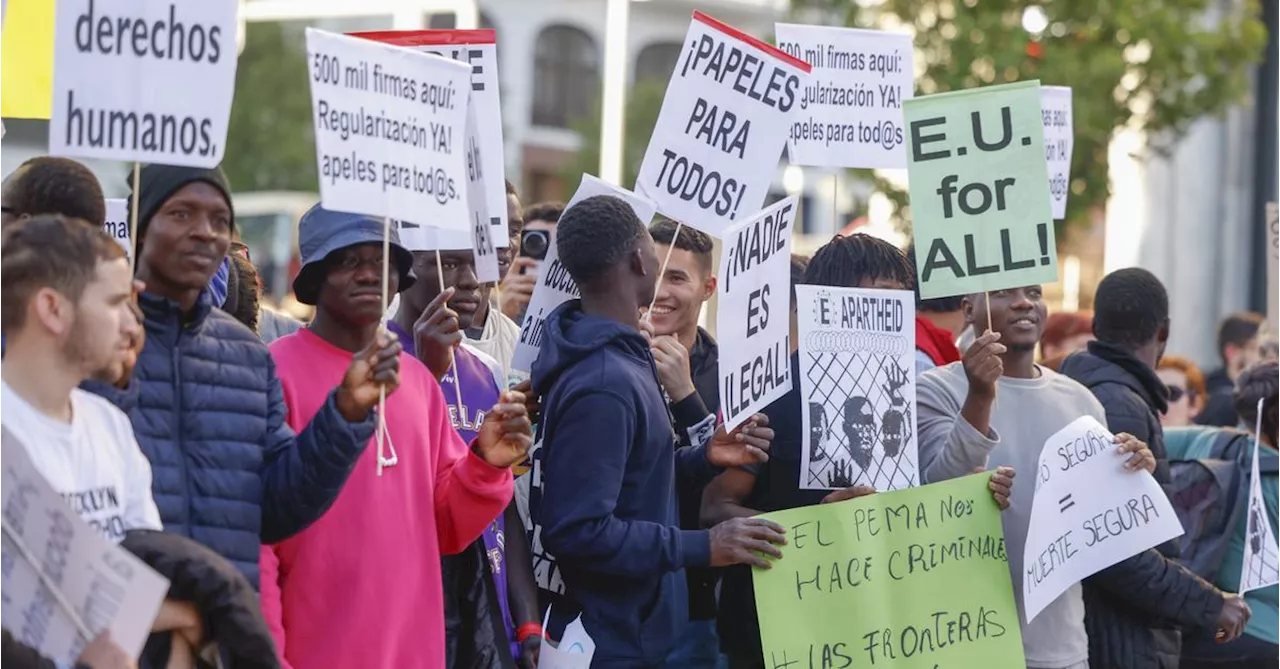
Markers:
<point>423,493</point>
<point>205,402</point>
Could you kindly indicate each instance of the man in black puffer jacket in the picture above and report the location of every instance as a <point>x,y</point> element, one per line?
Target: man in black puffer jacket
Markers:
<point>1134,609</point>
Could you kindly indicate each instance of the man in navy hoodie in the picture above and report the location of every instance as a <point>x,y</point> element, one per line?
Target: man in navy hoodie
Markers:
<point>608,507</point>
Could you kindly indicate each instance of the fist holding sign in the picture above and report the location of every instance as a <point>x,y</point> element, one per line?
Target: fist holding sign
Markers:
<point>722,127</point>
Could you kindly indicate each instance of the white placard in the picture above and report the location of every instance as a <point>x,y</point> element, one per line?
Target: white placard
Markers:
<point>104,584</point>
<point>1273,266</point>
<point>146,80</point>
<point>118,223</point>
<point>555,286</point>
<point>478,49</point>
<point>1059,140</point>
<point>857,388</point>
<point>1260,564</point>
<point>1089,513</point>
<point>755,300</point>
<point>390,132</point>
<point>723,123</point>
<point>850,112</point>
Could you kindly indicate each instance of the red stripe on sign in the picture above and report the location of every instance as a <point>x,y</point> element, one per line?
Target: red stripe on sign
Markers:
<point>430,37</point>
<point>757,43</point>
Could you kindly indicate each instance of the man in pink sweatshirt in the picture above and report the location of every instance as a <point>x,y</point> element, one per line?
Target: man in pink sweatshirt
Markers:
<point>362,586</point>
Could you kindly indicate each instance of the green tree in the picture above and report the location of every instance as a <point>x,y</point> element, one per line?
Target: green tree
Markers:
<point>271,141</point>
<point>1154,65</point>
<point>644,101</point>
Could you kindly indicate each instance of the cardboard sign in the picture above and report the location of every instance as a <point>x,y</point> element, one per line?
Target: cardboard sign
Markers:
<point>857,388</point>
<point>1089,513</point>
<point>755,298</point>
<point>105,585</point>
<point>555,286</point>
<point>1260,564</point>
<point>1273,266</point>
<point>851,107</point>
<point>723,123</point>
<point>118,223</point>
<point>1059,140</point>
<point>933,558</point>
<point>391,129</point>
<point>147,81</point>
<point>478,49</point>
<point>980,203</point>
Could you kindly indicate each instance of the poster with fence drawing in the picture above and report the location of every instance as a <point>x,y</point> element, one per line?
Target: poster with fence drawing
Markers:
<point>857,388</point>
<point>1260,564</point>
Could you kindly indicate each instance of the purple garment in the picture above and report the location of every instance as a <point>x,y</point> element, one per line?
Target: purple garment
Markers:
<point>479,393</point>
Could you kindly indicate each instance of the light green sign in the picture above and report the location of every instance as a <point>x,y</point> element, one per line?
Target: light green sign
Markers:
<point>911,579</point>
<point>980,204</point>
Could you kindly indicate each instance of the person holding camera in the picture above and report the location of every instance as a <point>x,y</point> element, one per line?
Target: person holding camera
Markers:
<point>517,286</point>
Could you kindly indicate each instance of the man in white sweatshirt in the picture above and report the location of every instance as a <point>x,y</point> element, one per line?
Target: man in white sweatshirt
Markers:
<point>963,426</point>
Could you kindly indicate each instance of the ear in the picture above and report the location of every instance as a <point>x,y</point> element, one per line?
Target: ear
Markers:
<point>967,307</point>
<point>52,310</point>
<point>636,261</point>
<point>709,288</point>
<point>1162,334</point>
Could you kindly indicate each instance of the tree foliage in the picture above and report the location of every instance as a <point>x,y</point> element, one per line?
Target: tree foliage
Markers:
<point>1153,65</point>
<point>271,141</point>
<point>644,101</point>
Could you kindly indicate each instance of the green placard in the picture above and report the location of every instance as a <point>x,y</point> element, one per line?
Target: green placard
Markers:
<point>911,579</point>
<point>980,204</point>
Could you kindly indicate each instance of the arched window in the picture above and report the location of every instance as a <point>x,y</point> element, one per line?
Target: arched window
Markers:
<point>566,76</point>
<point>657,61</point>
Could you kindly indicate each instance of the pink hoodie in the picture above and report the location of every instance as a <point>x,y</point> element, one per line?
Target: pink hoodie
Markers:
<point>362,587</point>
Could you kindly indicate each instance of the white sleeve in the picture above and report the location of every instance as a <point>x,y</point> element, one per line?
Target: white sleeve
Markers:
<point>140,512</point>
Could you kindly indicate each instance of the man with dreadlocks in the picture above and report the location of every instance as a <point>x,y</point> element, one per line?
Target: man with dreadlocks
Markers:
<point>857,261</point>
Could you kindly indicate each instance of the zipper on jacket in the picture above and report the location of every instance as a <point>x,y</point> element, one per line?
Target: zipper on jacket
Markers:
<point>176,359</point>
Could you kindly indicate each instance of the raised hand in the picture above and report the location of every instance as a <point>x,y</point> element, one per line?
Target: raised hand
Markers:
<point>983,365</point>
<point>748,444</point>
<point>673,366</point>
<point>506,434</point>
<point>377,366</point>
<point>436,333</point>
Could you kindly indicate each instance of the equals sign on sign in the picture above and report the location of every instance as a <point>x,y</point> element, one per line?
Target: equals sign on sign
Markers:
<point>1065,503</point>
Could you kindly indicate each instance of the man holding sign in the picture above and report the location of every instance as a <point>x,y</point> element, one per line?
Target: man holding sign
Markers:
<point>962,426</point>
<point>608,505</point>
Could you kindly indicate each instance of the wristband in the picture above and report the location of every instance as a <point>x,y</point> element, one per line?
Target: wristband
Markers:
<point>527,630</point>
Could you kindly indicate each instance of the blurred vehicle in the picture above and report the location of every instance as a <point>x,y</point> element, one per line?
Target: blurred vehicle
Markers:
<point>267,222</point>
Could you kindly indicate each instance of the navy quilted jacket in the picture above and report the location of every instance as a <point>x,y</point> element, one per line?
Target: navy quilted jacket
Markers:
<point>208,411</point>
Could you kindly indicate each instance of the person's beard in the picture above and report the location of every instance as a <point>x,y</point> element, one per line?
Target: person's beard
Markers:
<point>77,351</point>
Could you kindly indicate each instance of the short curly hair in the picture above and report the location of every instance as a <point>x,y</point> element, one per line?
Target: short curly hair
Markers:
<point>1259,382</point>
<point>53,185</point>
<point>596,234</point>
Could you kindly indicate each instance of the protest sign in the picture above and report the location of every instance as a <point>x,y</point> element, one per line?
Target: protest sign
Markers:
<point>146,81</point>
<point>1089,513</point>
<point>103,585</point>
<point>1273,266</point>
<point>478,49</point>
<point>851,107</point>
<point>118,223</point>
<point>555,286</point>
<point>1059,139</point>
<point>857,387</point>
<point>980,203</point>
<point>723,123</point>
<point>755,298</point>
<point>913,579</point>
<point>1260,564</point>
<point>390,132</point>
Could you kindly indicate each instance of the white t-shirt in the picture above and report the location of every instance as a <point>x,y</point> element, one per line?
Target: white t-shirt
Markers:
<point>94,462</point>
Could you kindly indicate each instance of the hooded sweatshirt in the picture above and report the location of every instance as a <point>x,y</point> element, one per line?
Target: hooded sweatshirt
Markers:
<point>362,586</point>
<point>607,506</point>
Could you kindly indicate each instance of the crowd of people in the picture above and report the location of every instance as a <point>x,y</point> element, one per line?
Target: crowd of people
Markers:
<point>369,489</point>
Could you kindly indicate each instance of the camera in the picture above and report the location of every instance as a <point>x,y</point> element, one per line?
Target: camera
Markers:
<point>534,244</point>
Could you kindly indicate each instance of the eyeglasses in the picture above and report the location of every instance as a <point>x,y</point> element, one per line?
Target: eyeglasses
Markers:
<point>1176,393</point>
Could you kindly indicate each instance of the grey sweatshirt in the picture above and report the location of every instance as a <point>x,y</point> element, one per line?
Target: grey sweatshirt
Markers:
<point>1026,413</point>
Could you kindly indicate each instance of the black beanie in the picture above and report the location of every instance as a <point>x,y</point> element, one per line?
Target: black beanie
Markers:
<point>157,183</point>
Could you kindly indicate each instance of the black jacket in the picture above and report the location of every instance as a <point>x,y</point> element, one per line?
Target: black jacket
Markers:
<point>1130,607</point>
<point>475,635</point>
<point>1219,407</point>
<point>696,417</point>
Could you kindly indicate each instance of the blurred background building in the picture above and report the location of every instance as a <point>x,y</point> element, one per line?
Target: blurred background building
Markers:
<point>1188,208</point>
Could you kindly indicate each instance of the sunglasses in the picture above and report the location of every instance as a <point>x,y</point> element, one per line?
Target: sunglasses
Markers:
<point>1176,393</point>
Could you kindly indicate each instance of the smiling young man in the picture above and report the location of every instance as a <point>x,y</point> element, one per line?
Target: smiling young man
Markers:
<point>362,587</point>
<point>962,426</point>
<point>206,404</point>
<point>687,358</point>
